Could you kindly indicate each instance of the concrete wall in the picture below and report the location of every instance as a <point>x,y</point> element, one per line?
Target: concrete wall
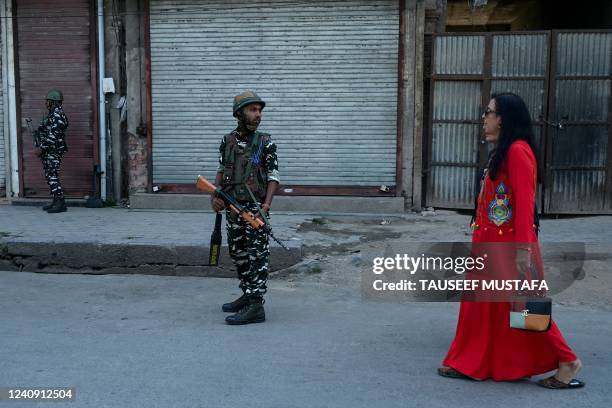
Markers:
<point>411,90</point>
<point>435,16</point>
<point>125,63</point>
<point>137,148</point>
<point>115,68</point>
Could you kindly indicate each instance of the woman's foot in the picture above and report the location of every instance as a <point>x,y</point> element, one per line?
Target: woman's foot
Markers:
<point>451,373</point>
<point>554,384</point>
<point>565,376</point>
<point>567,371</point>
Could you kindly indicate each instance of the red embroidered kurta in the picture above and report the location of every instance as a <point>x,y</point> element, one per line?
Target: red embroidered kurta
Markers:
<point>485,346</point>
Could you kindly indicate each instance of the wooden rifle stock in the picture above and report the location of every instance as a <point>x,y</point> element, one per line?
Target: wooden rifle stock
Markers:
<point>205,185</point>
<point>208,187</point>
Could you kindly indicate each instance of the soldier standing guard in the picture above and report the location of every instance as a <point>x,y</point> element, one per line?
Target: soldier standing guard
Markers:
<point>52,147</point>
<point>248,170</point>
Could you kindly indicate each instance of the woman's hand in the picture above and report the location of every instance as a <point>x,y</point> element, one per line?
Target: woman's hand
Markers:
<point>523,261</point>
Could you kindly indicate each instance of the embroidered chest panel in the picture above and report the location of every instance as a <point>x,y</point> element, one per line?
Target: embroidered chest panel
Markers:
<point>499,210</point>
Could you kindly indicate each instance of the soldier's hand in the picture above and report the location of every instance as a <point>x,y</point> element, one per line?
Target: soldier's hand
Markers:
<point>265,208</point>
<point>217,204</point>
<point>38,151</point>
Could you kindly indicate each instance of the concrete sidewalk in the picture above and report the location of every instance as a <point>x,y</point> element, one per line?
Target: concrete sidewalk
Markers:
<point>175,242</point>
<point>118,240</point>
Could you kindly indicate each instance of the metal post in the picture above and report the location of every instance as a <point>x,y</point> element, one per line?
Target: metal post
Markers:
<point>101,99</point>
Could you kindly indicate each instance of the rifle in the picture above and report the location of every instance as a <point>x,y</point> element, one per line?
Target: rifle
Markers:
<point>208,187</point>
<point>215,242</point>
<point>255,222</point>
<point>35,133</point>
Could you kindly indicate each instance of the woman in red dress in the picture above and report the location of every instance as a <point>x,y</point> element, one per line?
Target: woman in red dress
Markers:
<point>485,346</point>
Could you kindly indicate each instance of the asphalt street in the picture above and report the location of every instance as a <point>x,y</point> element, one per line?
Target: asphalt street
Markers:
<point>160,341</point>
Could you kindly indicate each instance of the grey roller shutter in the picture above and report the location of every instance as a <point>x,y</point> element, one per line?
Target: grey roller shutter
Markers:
<point>327,69</point>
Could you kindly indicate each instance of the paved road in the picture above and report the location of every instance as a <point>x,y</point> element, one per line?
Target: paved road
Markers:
<point>156,341</point>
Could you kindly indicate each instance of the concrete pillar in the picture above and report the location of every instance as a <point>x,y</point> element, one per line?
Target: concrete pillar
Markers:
<point>115,61</point>
<point>411,91</point>
<point>137,148</point>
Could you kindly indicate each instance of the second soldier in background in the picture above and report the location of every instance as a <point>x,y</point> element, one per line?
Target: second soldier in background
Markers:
<point>248,170</point>
<point>52,146</point>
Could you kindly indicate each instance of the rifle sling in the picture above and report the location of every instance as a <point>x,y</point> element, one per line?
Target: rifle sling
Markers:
<point>259,210</point>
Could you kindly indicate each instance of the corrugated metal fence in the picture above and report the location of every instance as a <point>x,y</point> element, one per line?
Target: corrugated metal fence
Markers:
<point>572,87</point>
<point>578,168</point>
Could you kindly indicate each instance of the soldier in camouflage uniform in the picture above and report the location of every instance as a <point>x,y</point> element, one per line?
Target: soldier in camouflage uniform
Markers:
<point>248,170</point>
<point>52,146</point>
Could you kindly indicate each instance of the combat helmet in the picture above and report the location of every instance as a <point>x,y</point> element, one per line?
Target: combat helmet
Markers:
<point>55,95</point>
<point>246,98</point>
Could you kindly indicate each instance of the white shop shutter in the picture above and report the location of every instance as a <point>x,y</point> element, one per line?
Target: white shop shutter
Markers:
<point>328,71</point>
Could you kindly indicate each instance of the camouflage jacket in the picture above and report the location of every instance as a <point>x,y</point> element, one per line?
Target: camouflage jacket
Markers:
<point>52,131</point>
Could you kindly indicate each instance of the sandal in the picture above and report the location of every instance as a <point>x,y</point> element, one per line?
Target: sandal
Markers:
<point>452,373</point>
<point>553,383</point>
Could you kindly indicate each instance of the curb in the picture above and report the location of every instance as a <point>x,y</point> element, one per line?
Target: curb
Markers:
<point>148,259</point>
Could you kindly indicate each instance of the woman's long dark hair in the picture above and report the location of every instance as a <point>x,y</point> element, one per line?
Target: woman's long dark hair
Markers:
<point>515,125</point>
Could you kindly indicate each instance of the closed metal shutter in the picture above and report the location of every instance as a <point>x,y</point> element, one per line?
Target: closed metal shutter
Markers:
<point>328,71</point>
<point>54,51</point>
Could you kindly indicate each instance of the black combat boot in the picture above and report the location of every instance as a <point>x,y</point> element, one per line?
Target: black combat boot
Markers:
<point>252,312</point>
<point>58,207</point>
<point>51,204</point>
<point>236,305</point>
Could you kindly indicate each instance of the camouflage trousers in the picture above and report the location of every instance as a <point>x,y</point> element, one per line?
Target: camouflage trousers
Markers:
<point>51,164</point>
<point>250,252</point>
